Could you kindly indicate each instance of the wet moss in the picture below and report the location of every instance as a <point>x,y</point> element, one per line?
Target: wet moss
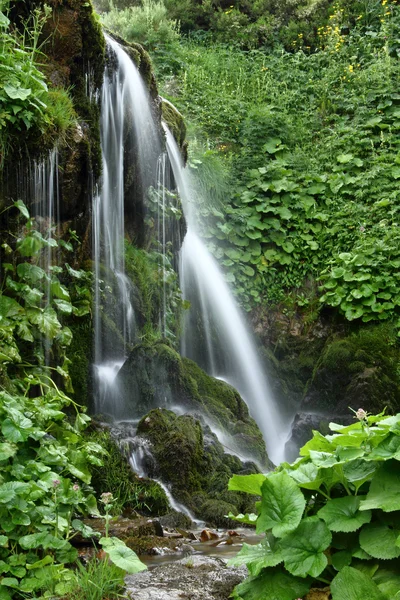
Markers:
<point>80,354</point>
<point>116,476</point>
<point>360,369</point>
<point>175,121</point>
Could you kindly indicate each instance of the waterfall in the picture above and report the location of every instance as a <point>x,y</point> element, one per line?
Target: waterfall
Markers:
<point>126,123</point>
<point>227,349</point>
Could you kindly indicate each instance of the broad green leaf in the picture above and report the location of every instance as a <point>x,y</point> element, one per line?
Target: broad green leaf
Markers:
<point>273,584</point>
<point>63,306</point>
<point>15,92</point>
<point>379,541</point>
<point>307,476</point>
<point>384,491</point>
<point>341,559</point>
<point>251,484</point>
<point>29,245</point>
<point>303,549</point>
<point>256,557</point>
<point>59,291</point>
<point>282,505</point>
<point>351,584</point>
<point>388,582</point>
<point>342,514</point>
<point>7,450</point>
<point>46,320</point>
<point>317,443</point>
<point>30,273</point>
<point>121,555</point>
<point>9,307</point>
<point>47,560</point>
<point>22,208</point>
<point>359,470</point>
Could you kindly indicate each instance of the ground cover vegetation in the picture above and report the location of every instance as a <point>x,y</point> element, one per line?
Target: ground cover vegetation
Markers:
<point>45,458</point>
<point>27,101</point>
<point>331,519</point>
<point>309,139</point>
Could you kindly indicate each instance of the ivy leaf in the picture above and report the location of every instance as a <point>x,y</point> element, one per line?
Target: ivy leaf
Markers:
<point>282,505</point>
<point>384,491</point>
<point>122,556</point>
<point>352,584</point>
<point>256,557</point>
<point>272,585</point>
<point>342,514</point>
<point>251,484</point>
<point>303,549</point>
<point>379,541</point>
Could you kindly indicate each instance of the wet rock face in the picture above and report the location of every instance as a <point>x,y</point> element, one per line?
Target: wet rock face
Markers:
<point>157,377</point>
<point>196,578</point>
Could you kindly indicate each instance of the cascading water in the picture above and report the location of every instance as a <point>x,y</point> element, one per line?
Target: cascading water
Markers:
<point>126,122</point>
<point>228,350</point>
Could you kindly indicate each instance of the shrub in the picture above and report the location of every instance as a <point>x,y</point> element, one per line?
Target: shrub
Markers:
<point>330,518</point>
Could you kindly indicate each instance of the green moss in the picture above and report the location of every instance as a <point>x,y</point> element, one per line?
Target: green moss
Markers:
<point>214,513</point>
<point>360,369</point>
<point>175,121</point>
<point>116,476</point>
<point>80,354</point>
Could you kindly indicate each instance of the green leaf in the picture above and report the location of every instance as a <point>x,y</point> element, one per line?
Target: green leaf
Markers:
<point>46,320</point>
<point>272,585</point>
<point>282,505</point>
<point>9,307</point>
<point>63,306</point>
<point>22,208</point>
<point>344,158</point>
<point>251,484</point>
<point>384,491</point>
<point>248,518</point>
<point>17,92</point>
<point>342,514</point>
<point>341,559</point>
<point>303,549</point>
<point>122,556</point>
<point>59,291</point>
<point>352,584</point>
<point>256,557</point>
<point>307,476</point>
<point>29,245</point>
<point>379,541</point>
<point>30,273</point>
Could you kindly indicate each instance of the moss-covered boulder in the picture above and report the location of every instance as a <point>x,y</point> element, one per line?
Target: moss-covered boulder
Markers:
<point>190,459</point>
<point>359,370</point>
<point>156,376</point>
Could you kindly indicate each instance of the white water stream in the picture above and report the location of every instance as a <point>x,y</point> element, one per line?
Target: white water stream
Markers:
<point>126,122</point>
<point>224,327</point>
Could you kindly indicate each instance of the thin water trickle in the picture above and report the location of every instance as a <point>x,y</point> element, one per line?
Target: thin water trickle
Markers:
<point>126,123</point>
<point>224,346</point>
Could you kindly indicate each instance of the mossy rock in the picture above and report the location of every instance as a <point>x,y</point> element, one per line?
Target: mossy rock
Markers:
<point>214,513</point>
<point>189,458</point>
<point>80,354</point>
<point>359,370</point>
<point>116,476</point>
<point>156,376</point>
<point>174,120</point>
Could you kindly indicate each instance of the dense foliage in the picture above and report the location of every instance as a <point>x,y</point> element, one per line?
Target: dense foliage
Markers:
<point>331,518</point>
<point>310,139</point>
<point>45,459</point>
<point>26,102</point>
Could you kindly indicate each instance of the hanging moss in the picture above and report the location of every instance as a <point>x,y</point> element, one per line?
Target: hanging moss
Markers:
<point>175,121</point>
<point>80,354</point>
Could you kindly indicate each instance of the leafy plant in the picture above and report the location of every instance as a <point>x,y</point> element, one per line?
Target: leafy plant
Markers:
<point>330,518</point>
